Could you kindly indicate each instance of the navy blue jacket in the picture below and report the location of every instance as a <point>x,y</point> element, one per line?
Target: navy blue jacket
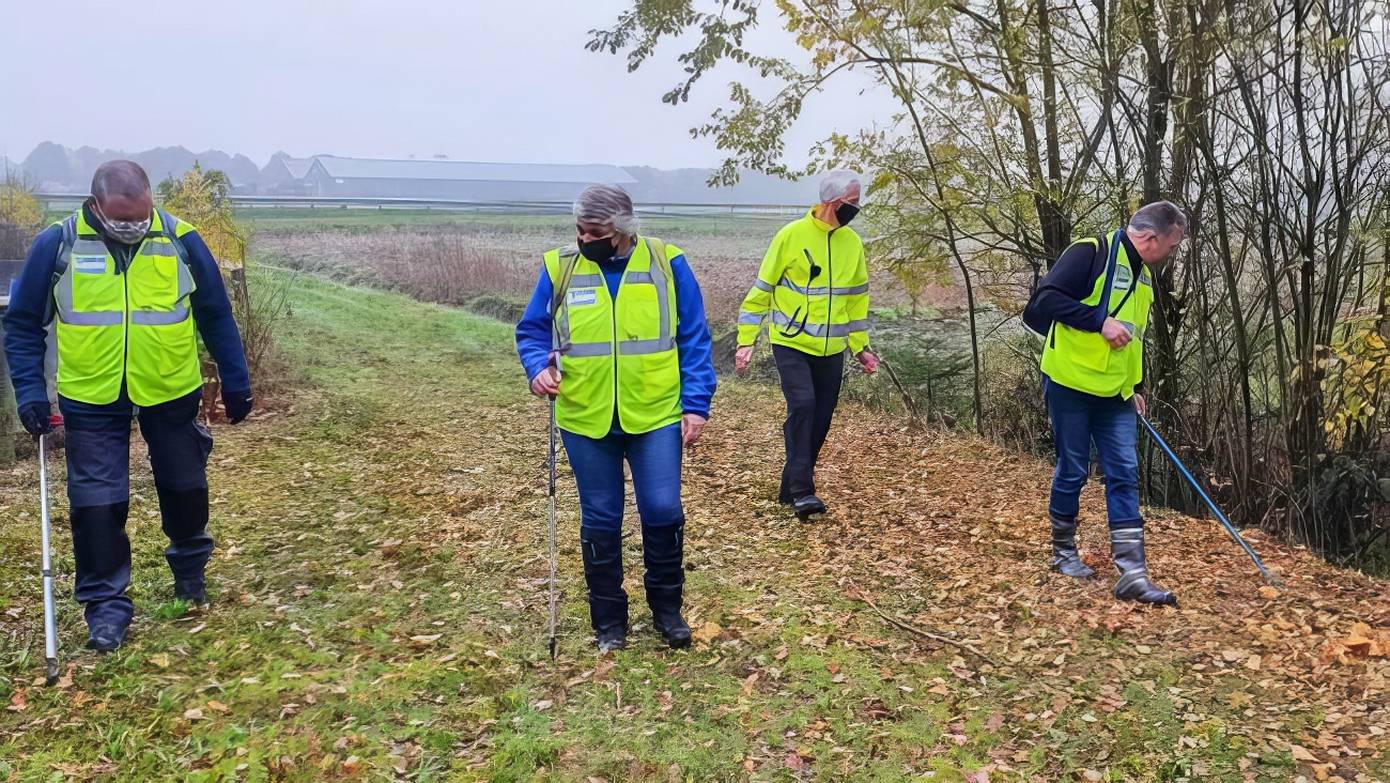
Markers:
<point>693,342</point>
<point>1070,280</point>
<point>26,331</point>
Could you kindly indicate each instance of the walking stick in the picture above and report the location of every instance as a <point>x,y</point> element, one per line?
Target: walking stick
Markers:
<point>50,619</point>
<point>554,567</point>
<point>1220,517</point>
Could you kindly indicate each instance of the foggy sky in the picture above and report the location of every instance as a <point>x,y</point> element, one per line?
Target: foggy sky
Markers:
<point>502,81</point>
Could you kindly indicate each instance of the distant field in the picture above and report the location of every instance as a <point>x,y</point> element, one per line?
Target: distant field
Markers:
<point>454,257</point>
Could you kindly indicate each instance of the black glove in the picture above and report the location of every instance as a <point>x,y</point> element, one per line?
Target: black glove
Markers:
<point>237,403</point>
<point>37,417</point>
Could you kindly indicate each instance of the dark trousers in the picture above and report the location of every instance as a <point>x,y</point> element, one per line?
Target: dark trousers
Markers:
<point>811,385</point>
<point>98,459</point>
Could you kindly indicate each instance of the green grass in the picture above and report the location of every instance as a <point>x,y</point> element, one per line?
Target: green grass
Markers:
<point>378,614</point>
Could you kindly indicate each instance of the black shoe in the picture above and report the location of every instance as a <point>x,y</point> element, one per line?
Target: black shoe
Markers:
<point>193,592</point>
<point>105,637</point>
<point>1127,548</point>
<point>663,551</point>
<point>1065,559</point>
<point>603,573</point>
<point>806,507</point>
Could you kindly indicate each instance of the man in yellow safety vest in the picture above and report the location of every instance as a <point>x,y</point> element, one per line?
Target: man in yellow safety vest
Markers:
<point>1092,309</point>
<point>131,289</point>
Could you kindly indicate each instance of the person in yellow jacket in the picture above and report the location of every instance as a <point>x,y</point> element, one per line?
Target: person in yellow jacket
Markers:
<point>812,292</point>
<point>1092,309</point>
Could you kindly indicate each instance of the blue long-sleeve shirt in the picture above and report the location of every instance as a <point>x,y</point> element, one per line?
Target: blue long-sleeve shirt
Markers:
<point>26,331</point>
<point>693,343</point>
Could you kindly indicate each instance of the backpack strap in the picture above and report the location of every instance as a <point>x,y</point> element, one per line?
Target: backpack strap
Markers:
<point>168,225</point>
<point>60,264</point>
<point>557,300</point>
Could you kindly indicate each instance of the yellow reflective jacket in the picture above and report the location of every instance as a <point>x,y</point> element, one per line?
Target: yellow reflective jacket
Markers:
<point>814,285</point>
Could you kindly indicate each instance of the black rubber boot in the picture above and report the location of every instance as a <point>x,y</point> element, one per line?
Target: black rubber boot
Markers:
<point>1065,559</point>
<point>603,573</point>
<point>1127,548</point>
<point>184,514</point>
<point>808,506</point>
<point>663,550</point>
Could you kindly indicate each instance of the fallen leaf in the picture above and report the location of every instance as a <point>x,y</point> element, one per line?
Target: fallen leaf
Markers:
<point>426,638</point>
<point>1301,753</point>
<point>160,659</point>
<point>1269,592</point>
<point>217,706</point>
<point>707,632</point>
<point>193,714</point>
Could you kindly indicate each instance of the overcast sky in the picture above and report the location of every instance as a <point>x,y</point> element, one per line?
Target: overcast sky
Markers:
<point>503,81</point>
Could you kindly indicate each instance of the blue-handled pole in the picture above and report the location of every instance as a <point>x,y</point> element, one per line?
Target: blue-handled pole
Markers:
<point>1220,517</point>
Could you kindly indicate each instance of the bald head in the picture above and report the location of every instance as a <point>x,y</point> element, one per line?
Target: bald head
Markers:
<point>122,190</point>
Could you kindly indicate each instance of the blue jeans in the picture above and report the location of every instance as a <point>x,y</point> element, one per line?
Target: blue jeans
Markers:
<point>1078,420</point>
<point>655,458</point>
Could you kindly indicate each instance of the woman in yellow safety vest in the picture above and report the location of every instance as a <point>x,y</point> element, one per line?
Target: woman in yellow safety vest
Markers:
<point>615,332</point>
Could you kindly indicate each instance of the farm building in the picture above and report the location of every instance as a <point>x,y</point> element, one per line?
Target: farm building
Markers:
<point>450,179</point>
<point>284,175</point>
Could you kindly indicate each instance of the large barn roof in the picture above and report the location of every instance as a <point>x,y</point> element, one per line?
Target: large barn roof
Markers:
<point>298,167</point>
<point>365,168</point>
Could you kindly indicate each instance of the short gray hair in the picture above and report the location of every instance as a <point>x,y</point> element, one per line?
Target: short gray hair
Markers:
<point>607,205</point>
<point>120,178</point>
<point>836,184</point>
<point>1160,217</point>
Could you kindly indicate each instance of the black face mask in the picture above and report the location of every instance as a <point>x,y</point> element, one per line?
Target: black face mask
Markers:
<point>599,250</point>
<point>845,213</point>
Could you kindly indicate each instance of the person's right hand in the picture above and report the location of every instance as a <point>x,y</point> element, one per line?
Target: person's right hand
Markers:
<point>742,357</point>
<point>546,383</point>
<point>1115,333</point>
<point>37,418</point>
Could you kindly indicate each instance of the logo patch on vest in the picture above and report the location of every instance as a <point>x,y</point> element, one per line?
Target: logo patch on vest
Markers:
<point>1123,276</point>
<point>89,265</point>
<point>582,297</point>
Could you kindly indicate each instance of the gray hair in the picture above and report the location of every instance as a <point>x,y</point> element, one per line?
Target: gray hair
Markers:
<point>1159,217</point>
<point>607,205</point>
<point>120,178</point>
<point>836,184</point>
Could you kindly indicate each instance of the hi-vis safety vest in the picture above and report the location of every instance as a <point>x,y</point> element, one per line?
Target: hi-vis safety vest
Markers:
<point>813,286</point>
<point>620,352</point>
<point>130,325</point>
<point>1083,360</point>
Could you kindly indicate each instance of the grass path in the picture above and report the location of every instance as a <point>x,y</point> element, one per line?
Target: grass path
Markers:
<point>379,610</point>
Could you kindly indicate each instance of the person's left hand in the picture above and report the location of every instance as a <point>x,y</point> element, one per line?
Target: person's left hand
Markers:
<point>1140,406</point>
<point>237,405</point>
<point>692,424</point>
<point>868,361</point>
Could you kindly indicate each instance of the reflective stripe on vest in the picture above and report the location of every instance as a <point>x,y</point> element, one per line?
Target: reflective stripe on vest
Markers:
<point>153,351</point>
<point>616,351</point>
